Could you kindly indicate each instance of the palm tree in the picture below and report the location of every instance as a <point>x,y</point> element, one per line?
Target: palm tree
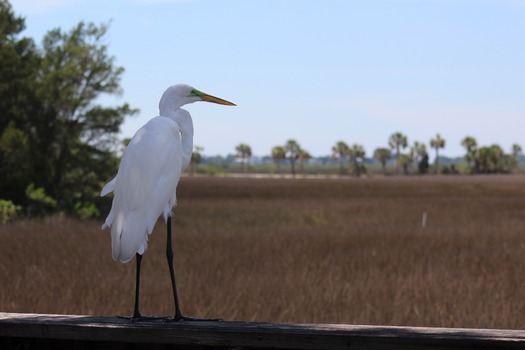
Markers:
<point>244,152</point>
<point>397,141</point>
<point>471,146</point>
<point>340,151</point>
<point>489,159</point>
<point>196,159</point>
<point>278,155</point>
<point>404,160</point>
<point>496,158</point>
<point>292,149</point>
<point>509,163</point>
<point>420,156</point>
<point>516,150</point>
<point>357,155</point>
<point>303,156</point>
<point>382,155</point>
<point>437,143</point>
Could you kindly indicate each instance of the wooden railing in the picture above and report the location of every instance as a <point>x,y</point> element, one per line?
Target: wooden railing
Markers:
<point>36,331</point>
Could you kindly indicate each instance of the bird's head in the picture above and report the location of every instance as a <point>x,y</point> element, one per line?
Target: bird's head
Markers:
<point>181,94</point>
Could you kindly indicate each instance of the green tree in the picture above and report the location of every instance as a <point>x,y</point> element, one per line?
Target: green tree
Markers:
<point>492,159</point>
<point>196,158</point>
<point>496,156</point>
<point>470,145</point>
<point>482,159</point>
<point>18,72</point>
<point>397,141</point>
<point>437,143</point>
<point>292,149</point>
<point>76,136</point>
<point>8,210</point>
<point>509,163</point>
<point>278,156</point>
<point>244,152</point>
<point>66,140</point>
<point>383,155</point>
<point>340,151</point>
<point>404,160</point>
<point>516,151</point>
<point>303,156</point>
<point>420,156</point>
<point>357,156</point>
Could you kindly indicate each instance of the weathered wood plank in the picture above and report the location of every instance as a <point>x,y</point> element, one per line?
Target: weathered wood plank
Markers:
<point>253,334</point>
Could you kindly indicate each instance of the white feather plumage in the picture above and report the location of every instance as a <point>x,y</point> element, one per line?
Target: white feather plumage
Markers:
<point>145,186</point>
<point>146,183</point>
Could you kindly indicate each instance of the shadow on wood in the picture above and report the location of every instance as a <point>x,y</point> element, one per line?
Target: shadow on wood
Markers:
<point>36,331</point>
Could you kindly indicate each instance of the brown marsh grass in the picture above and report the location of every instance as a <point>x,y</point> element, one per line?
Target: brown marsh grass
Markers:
<point>305,250</point>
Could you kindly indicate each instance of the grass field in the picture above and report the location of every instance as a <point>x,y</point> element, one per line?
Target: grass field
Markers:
<point>304,250</point>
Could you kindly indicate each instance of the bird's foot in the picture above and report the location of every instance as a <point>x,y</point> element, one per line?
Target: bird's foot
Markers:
<point>140,318</point>
<point>180,317</point>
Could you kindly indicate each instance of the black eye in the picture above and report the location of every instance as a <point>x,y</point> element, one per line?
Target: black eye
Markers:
<point>195,93</point>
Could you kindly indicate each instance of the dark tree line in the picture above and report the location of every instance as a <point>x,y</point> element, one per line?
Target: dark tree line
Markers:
<point>490,159</point>
<point>480,160</point>
<point>406,157</point>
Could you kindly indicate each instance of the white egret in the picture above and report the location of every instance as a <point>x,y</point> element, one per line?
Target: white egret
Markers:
<point>146,182</point>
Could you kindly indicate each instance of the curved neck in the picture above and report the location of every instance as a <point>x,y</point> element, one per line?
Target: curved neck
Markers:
<point>183,119</point>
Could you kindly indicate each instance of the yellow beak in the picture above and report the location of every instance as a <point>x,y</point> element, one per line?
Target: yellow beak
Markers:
<point>210,98</point>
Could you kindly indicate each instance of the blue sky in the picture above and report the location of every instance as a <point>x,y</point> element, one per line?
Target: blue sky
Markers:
<point>316,71</point>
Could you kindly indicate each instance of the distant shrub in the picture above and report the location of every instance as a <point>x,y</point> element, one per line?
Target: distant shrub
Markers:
<point>8,210</point>
<point>40,202</point>
<point>86,210</point>
<point>207,170</point>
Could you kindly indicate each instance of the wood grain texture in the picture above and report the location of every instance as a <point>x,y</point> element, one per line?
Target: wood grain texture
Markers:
<point>233,334</point>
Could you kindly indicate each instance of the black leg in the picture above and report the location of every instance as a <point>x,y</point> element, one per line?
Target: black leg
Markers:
<point>137,317</point>
<point>136,312</point>
<point>169,257</point>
